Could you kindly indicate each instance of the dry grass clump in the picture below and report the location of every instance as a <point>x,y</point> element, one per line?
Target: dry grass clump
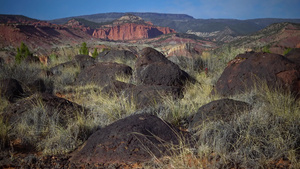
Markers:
<point>67,76</point>
<point>195,95</point>
<point>49,131</point>
<point>106,108</point>
<point>23,72</point>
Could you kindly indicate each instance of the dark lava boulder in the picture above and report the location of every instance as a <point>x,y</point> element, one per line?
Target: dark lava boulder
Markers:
<point>116,87</point>
<point>58,69</point>
<point>247,70</point>
<point>32,59</point>
<point>223,109</point>
<point>116,55</point>
<point>136,138</point>
<point>37,86</point>
<point>1,61</point>
<point>294,55</point>
<point>151,95</point>
<point>11,89</point>
<point>81,61</point>
<point>48,103</point>
<point>102,73</point>
<point>153,68</point>
<point>84,61</point>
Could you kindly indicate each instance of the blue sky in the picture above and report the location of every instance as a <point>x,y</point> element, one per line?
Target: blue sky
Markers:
<point>200,9</point>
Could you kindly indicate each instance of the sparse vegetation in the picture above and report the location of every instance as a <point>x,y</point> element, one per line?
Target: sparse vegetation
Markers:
<point>257,138</point>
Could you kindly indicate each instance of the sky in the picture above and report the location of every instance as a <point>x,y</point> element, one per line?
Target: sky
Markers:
<point>199,9</point>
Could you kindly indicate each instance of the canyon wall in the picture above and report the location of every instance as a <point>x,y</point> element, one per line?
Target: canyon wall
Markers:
<point>130,31</point>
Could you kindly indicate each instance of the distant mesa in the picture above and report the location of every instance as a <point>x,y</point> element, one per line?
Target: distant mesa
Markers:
<point>127,27</point>
<point>130,27</point>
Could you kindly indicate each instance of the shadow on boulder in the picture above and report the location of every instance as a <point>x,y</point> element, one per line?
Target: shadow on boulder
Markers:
<point>11,89</point>
<point>294,55</point>
<point>224,109</point>
<point>102,73</point>
<point>151,95</point>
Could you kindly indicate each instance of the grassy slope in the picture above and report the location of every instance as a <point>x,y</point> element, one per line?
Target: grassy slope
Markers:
<point>254,139</point>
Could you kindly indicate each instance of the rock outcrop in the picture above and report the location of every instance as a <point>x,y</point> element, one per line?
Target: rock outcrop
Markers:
<point>294,55</point>
<point>130,31</point>
<point>130,27</point>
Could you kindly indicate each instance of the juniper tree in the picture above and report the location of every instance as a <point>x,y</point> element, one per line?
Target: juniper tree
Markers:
<point>83,49</point>
<point>95,53</point>
<point>22,53</point>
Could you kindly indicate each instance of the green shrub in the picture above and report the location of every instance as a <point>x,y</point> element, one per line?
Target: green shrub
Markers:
<point>286,51</point>
<point>83,49</point>
<point>266,49</point>
<point>22,53</point>
<point>95,53</point>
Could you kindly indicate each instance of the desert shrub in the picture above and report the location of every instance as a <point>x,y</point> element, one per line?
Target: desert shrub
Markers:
<point>95,53</point>
<point>84,49</point>
<point>53,57</point>
<point>266,49</point>
<point>22,53</point>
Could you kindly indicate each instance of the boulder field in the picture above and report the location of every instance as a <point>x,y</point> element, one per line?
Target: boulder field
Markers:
<point>141,137</point>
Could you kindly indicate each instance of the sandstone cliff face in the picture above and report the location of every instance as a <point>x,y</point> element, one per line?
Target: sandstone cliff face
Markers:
<point>131,31</point>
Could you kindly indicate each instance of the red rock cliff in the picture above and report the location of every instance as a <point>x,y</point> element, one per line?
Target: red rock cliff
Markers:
<point>131,31</point>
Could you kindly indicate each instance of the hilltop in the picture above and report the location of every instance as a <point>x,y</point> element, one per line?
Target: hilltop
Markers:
<point>277,38</point>
<point>183,23</point>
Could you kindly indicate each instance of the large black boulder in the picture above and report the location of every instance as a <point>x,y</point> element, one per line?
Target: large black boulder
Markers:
<point>137,138</point>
